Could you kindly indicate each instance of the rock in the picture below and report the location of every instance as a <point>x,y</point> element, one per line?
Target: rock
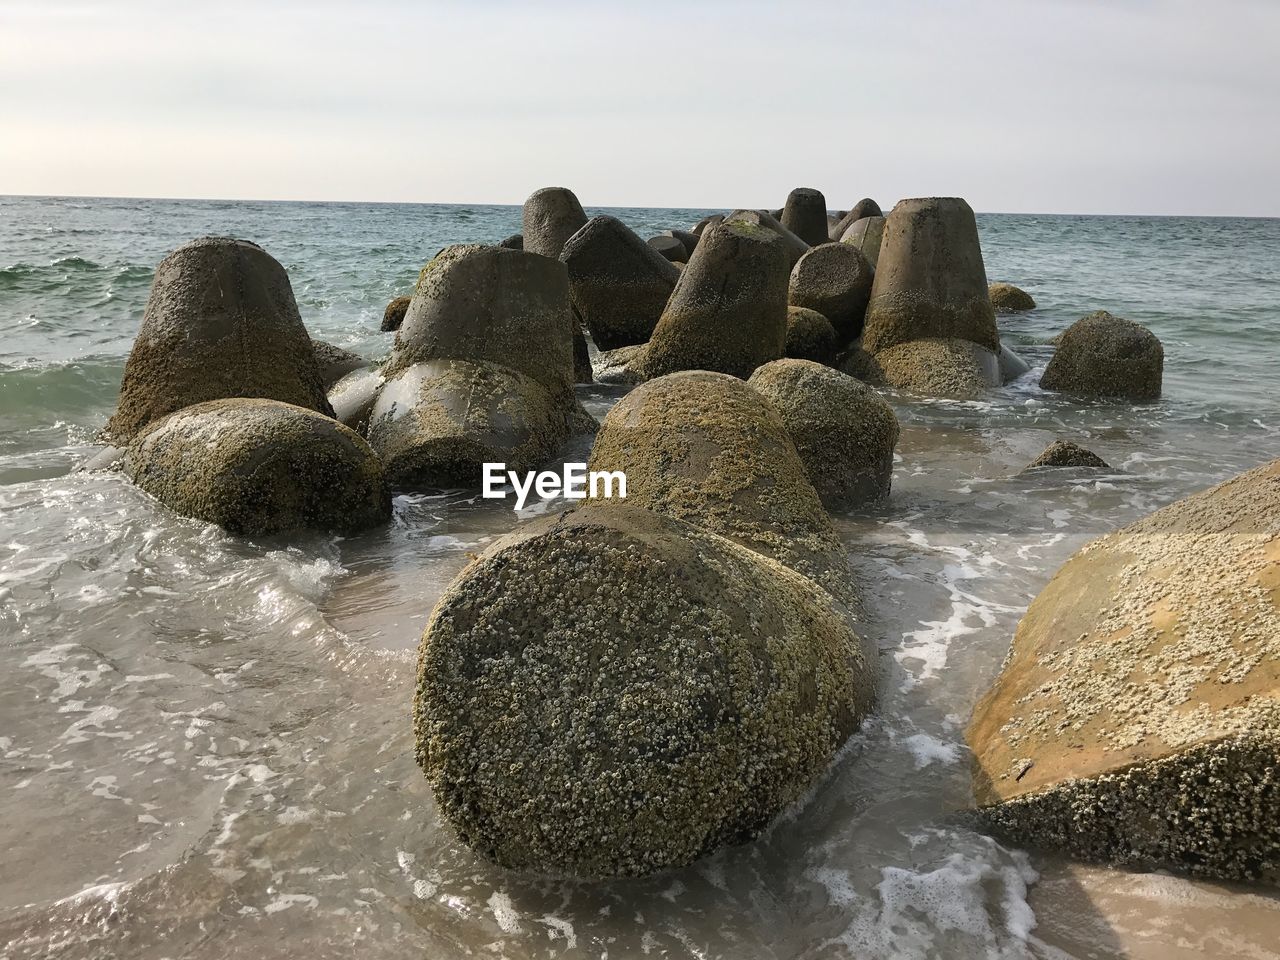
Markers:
<point>930,281</point>
<point>618,284</point>
<point>483,369</point>
<point>805,215</point>
<point>810,336</point>
<point>582,372</point>
<point>700,227</point>
<point>1109,357</point>
<point>956,369</point>
<point>700,687</point>
<point>220,322</point>
<point>690,241</point>
<point>833,221</point>
<point>393,316</point>
<point>1064,453</point>
<point>834,279</point>
<point>620,366</point>
<point>866,234</point>
<point>260,467</point>
<point>513,242</point>
<point>669,248</point>
<point>843,430</point>
<point>1006,298</point>
<point>551,216</point>
<point>794,246</point>
<point>686,689</point>
<point>1012,366</point>
<point>353,398</point>
<point>1137,719</point>
<point>335,363</point>
<point>108,458</point>
<point>728,313</point>
<point>865,207</point>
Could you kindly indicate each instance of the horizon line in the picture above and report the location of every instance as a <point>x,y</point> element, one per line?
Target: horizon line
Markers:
<point>593,206</point>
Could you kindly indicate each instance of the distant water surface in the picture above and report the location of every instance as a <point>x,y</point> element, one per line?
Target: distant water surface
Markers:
<point>204,742</point>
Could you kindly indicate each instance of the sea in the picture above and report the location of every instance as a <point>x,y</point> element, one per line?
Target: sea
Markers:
<point>205,740</point>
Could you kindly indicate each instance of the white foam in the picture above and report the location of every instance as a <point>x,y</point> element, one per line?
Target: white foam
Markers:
<point>504,912</point>
<point>926,750</point>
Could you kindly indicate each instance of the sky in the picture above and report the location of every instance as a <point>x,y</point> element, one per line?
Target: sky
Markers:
<point>1044,106</point>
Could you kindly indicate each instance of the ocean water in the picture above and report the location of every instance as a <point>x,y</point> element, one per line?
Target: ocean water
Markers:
<point>205,746</point>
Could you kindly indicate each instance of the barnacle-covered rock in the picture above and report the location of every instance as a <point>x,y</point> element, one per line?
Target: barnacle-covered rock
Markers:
<point>1065,454</point>
<point>550,217</point>
<point>335,363</point>
<point>805,215</point>
<point>1108,357</point>
<point>1006,298</point>
<point>834,279</point>
<point>810,336</point>
<point>393,315</point>
<point>954,369</point>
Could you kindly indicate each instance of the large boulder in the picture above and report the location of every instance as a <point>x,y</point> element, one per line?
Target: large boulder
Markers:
<point>843,430</point>
<point>866,207</point>
<point>706,222</point>
<point>1109,357</point>
<point>513,242</point>
<point>952,369</point>
<point>866,234</point>
<point>393,315</point>
<point>794,246</point>
<point>335,362</point>
<point>220,322</point>
<point>930,281</point>
<point>354,396</point>
<point>834,279</point>
<point>551,216</point>
<point>482,370</point>
<point>685,687</point>
<point>1137,718</point>
<point>690,241</point>
<point>669,248</point>
<point>728,311</point>
<point>805,215</point>
<point>260,467</point>
<point>1006,298</point>
<point>810,336</point>
<point>618,284</point>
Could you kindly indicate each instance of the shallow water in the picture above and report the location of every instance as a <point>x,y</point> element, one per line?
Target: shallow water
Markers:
<point>205,741</point>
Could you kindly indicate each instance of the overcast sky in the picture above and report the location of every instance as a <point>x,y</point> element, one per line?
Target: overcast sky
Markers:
<point>1086,106</point>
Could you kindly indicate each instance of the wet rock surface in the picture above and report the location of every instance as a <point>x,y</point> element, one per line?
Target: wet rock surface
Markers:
<point>1006,298</point>
<point>1107,357</point>
<point>1064,453</point>
<point>835,280</point>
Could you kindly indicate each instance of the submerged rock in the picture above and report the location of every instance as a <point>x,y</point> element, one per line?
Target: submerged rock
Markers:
<point>805,215</point>
<point>866,234</point>
<point>1006,298</point>
<point>1137,719</point>
<point>1105,356</point>
<point>335,363</point>
<point>393,316</point>
<point>835,280</point>
<point>618,284</point>
<point>220,322</point>
<point>260,467</point>
<point>657,655</point>
<point>551,216</point>
<point>1064,453</point>
<point>930,281</point>
<point>810,336</point>
<point>728,312</point>
<point>843,430</point>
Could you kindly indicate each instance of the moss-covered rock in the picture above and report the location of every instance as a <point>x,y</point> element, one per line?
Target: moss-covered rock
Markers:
<point>550,217</point>
<point>1137,718</point>
<point>805,215</point>
<point>728,311</point>
<point>843,430</point>
<point>615,692</point>
<point>393,316</point>
<point>793,245</point>
<point>866,207</point>
<point>834,279</point>
<point>1006,298</point>
<point>618,284</point>
<point>260,467</point>
<point>1064,453</point>
<point>220,322</point>
<point>810,336</point>
<point>1105,356</point>
<point>954,369</point>
<point>335,362</point>
<point>866,234</point>
<point>930,281</point>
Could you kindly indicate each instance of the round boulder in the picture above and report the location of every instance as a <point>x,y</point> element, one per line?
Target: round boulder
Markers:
<point>810,336</point>
<point>220,322</point>
<point>728,311</point>
<point>393,316</point>
<point>260,467</point>
<point>551,216</point>
<point>866,234</point>
<point>930,280</point>
<point>805,215</point>
<point>678,689</point>
<point>1006,298</point>
<point>618,284</point>
<point>1064,453</point>
<point>843,430</point>
<point>1107,357</point>
<point>834,279</point>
